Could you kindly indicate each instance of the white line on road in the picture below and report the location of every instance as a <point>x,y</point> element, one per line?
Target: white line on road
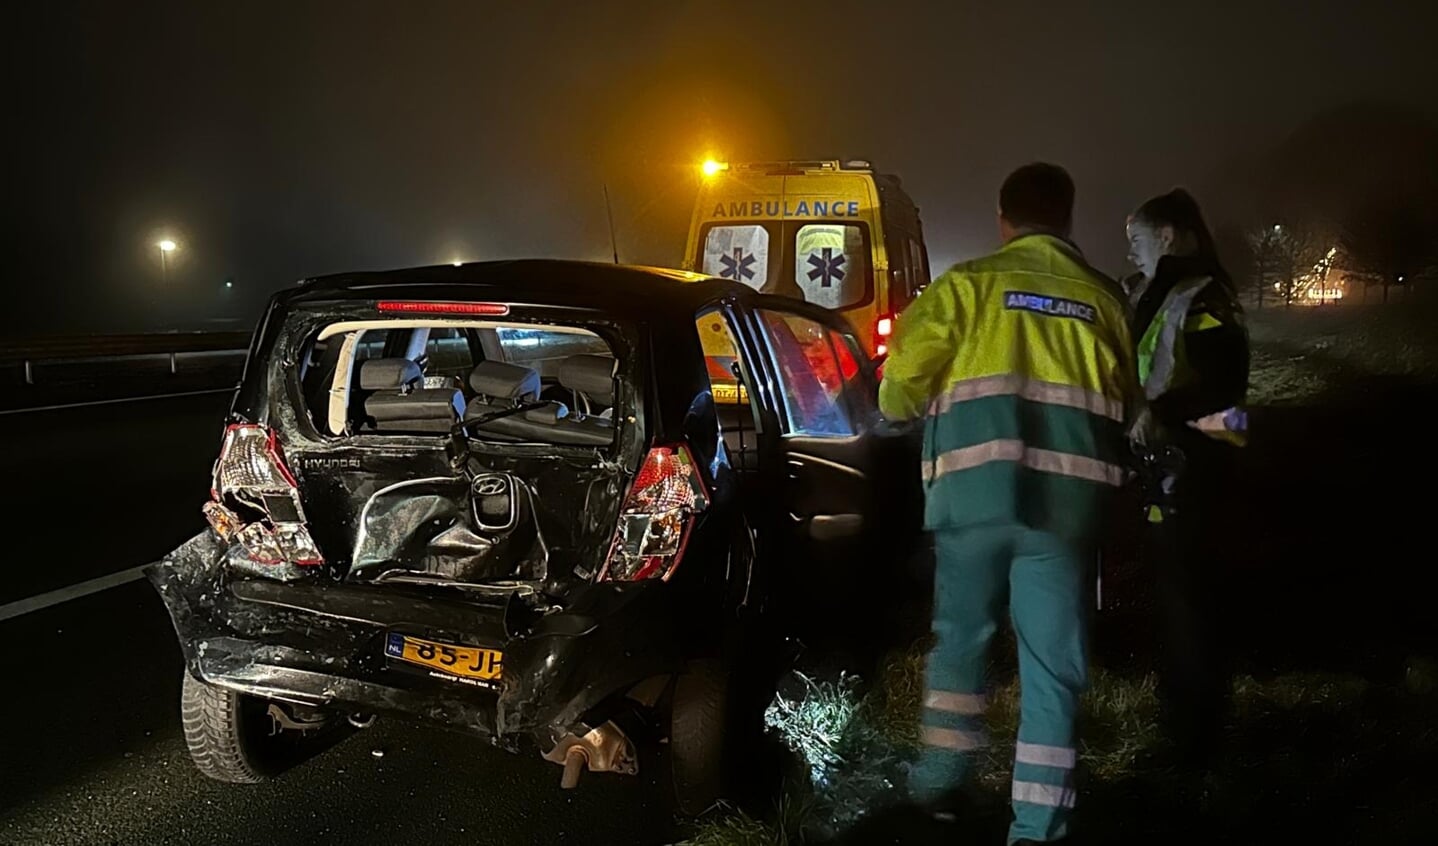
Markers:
<point>121,399</point>
<point>65,594</point>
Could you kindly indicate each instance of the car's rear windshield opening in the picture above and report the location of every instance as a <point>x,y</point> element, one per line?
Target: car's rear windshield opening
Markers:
<point>509,382</point>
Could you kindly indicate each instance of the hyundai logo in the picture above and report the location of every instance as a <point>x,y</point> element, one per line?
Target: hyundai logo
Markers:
<point>491,486</point>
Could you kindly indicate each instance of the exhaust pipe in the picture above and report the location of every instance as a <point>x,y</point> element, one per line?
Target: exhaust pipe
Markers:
<point>574,761</point>
<point>605,749</point>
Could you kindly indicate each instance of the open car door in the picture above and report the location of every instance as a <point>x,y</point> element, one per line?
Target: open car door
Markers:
<point>850,493</point>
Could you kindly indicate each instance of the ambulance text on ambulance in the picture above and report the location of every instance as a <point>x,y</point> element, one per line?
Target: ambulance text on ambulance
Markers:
<point>774,208</point>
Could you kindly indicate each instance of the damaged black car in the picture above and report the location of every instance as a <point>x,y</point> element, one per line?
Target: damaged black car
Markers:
<point>565,507</point>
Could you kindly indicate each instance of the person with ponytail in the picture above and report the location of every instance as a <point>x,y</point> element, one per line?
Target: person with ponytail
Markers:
<point>1193,360</point>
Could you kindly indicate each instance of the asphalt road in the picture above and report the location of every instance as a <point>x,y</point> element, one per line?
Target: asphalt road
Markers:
<point>90,743</point>
<point>97,489</point>
<point>92,754</point>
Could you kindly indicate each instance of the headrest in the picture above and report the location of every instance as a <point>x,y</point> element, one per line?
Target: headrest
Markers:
<point>498,380</point>
<point>377,374</point>
<point>592,375</point>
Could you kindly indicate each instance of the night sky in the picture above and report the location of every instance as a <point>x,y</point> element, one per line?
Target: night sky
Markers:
<point>279,140</point>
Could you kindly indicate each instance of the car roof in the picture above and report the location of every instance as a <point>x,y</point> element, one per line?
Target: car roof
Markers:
<point>614,288</point>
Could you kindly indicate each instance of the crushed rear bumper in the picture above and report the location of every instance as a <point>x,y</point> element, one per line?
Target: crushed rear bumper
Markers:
<point>318,642</point>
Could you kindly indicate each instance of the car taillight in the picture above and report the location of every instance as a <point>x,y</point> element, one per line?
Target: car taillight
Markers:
<point>251,480</point>
<point>657,516</point>
<point>883,328</point>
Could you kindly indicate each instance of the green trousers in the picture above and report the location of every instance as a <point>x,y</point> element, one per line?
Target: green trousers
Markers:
<point>1042,581</point>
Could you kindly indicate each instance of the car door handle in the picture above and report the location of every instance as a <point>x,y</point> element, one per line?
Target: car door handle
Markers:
<point>830,527</point>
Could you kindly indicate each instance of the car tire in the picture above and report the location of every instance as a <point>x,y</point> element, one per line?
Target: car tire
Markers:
<point>232,738</point>
<point>699,719</point>
<point>219,732</point>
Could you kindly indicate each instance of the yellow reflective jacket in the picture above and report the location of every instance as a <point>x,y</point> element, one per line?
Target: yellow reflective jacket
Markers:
<point>1193,351</point>
<point>1023,364</point>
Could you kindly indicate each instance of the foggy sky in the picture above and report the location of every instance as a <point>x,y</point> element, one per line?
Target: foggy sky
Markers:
<point>279,140</point>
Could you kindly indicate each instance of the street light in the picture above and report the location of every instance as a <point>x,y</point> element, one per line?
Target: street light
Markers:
<point>166,247</point>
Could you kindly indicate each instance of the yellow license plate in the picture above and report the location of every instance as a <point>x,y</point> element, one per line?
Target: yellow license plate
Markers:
<point>464,661</point>
<point>730,393</point>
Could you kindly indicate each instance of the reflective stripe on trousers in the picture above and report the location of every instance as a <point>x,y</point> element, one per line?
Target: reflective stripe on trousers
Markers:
<point>1043,580</point>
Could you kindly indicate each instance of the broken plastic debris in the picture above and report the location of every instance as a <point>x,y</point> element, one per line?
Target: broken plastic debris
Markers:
<point>224,521</point>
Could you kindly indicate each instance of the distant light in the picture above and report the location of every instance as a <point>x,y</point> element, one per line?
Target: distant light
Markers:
<point>1277,227</point>
<point>456,263</point>
<point>713,168</point>
<point>1400,277</point>
<point>167,246</point>
<point>229,284</point>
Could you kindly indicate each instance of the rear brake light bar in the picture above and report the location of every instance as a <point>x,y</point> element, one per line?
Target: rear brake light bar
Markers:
<point>414,307</point>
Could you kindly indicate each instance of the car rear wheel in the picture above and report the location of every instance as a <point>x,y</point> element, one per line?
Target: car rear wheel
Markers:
<point>234,738</point>
<point>700,715</point>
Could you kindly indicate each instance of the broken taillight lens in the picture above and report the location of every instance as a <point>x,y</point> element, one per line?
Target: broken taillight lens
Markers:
<point>251,478</point>
<point>250,460</point>
<point>657,516</point>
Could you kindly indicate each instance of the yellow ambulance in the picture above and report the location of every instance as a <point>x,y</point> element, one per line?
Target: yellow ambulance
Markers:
<point>836,234</point>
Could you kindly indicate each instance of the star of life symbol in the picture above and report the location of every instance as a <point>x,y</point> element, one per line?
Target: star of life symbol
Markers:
<point>828,269</point>
<point>737,266</point>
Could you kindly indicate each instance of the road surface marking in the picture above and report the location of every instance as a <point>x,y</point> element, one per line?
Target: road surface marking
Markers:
<point>121,399</point>
<point>65,594</point>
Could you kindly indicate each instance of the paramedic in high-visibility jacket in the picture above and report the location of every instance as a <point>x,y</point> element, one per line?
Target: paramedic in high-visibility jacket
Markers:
<point>1022,365</point>
<point>1193,363</point>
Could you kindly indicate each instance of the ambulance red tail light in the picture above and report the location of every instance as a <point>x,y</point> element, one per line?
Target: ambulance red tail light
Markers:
<point>883,329</point>
<point>255,501</point>
<point>655,521</point>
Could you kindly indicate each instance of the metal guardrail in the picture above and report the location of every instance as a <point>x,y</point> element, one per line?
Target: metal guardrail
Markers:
<point>27,352</point>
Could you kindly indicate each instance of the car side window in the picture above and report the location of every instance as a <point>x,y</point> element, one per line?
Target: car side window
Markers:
<point>733,405</point>
<point>816,373</point>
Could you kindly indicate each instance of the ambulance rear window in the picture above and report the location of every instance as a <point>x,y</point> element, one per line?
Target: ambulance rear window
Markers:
<point>821,262</point>
<point>740,253</point>
<point>831,264</point>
